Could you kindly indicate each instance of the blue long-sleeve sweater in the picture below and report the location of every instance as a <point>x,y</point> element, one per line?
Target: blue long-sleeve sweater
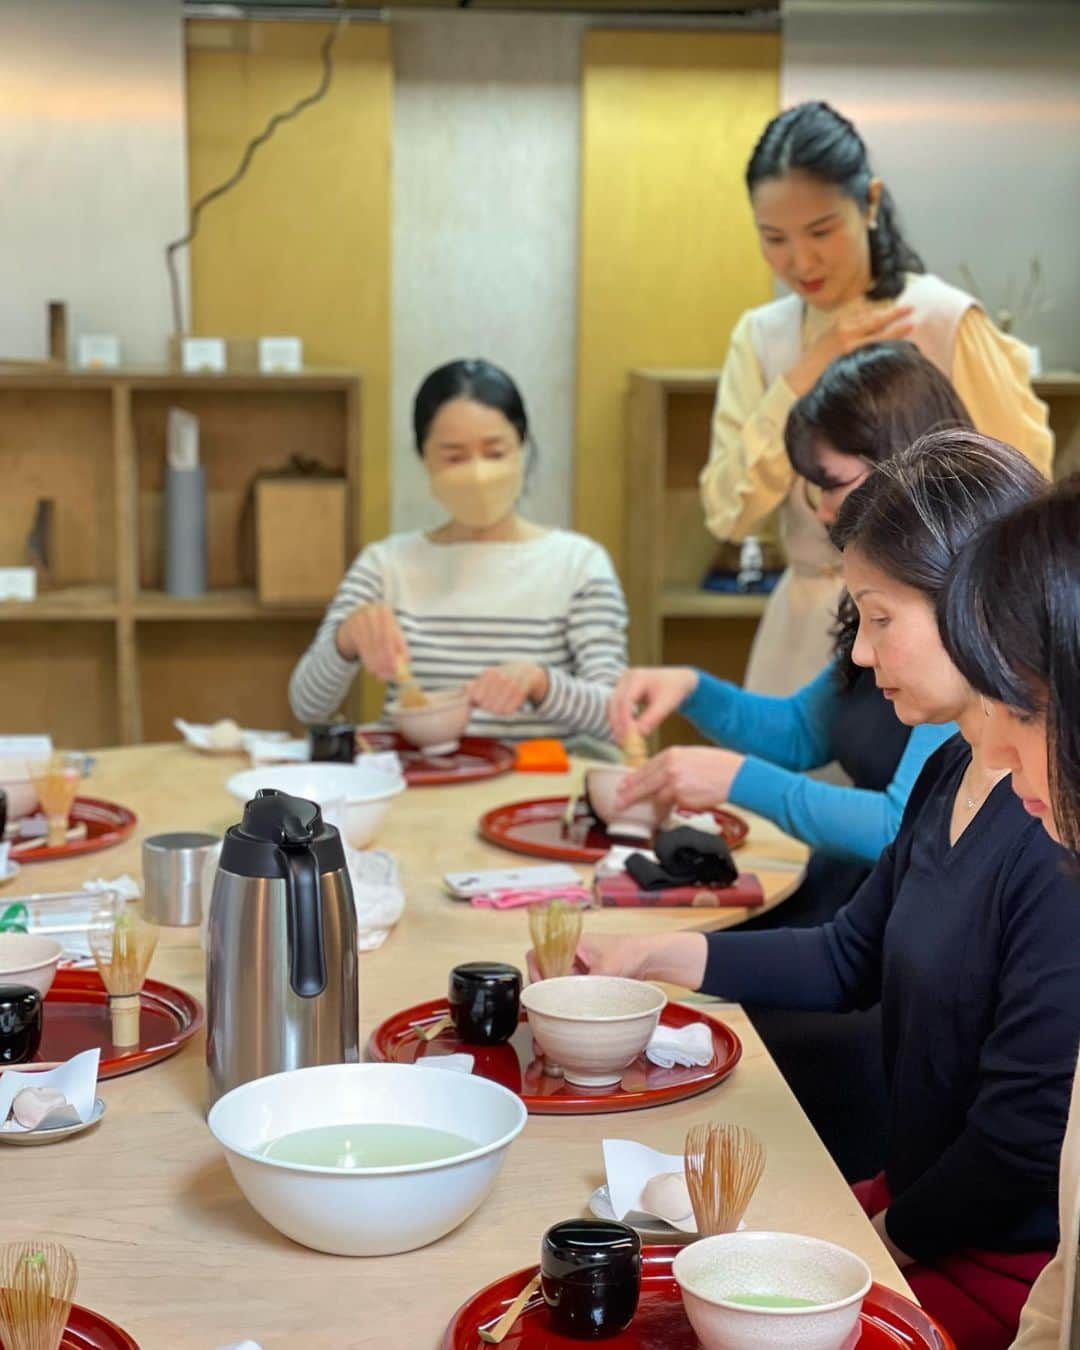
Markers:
<point>784,737</point>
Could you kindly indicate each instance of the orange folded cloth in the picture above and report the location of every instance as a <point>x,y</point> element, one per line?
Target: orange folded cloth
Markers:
<point>542,757</point>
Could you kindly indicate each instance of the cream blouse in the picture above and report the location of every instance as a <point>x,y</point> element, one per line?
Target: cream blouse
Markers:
<point>1047,1317</point>
<point>748,473</point>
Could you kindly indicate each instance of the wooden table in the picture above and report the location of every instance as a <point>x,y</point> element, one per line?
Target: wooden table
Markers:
<point>166,1244</point>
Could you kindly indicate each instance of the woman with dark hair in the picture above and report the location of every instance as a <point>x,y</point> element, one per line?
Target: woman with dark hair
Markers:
<point>1010,618</point>
<point>967,932</point>
<point>532,621</point>
<point>867,405</point>
<point>829,231</point>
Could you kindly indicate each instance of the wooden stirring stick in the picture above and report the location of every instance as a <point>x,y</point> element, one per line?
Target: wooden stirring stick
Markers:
<point>411,696</point>
<point>497,1334</point>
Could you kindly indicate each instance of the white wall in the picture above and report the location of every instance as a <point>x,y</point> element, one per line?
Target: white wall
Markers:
<point>93,166</point>
<point>972,115</point>
<point>485,234</point>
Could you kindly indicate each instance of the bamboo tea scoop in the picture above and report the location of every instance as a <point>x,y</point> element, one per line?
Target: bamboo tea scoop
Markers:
<point>497,1334</point>
<point>411,695</point>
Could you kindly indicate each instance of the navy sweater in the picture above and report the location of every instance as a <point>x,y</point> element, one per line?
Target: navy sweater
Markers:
<point>974,953</point>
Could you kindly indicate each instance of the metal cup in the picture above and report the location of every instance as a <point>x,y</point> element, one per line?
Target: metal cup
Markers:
<point>173,877</point>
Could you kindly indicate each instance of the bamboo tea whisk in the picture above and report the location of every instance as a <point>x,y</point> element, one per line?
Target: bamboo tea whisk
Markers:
<point>122,952</point>
<point>410,695</point>
<point>634,750</point>
<point>37,1286</point>
<point>555,929</point>
<point>723,1164</point>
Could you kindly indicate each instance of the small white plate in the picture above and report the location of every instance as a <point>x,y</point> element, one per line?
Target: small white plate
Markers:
<point>648,1225</point>
<point>31,1138</point>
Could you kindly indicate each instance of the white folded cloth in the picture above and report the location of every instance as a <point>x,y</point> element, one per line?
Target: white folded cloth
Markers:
<point>690,1046</point>
<point>459,1063</point>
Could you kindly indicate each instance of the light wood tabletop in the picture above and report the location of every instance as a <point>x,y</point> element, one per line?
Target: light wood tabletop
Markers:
<point>166,1244</point>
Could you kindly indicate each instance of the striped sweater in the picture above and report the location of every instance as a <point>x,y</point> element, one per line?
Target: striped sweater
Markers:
<point>554,601</point>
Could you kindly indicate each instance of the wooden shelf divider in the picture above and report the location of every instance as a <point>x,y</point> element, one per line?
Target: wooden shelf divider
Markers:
<point>94,441</point>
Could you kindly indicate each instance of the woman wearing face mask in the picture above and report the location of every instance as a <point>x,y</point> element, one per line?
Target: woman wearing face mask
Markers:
<point>1010,617</point>
<point>967,931</point>
<point>532,621</point>
<point>828,229</point>
<point>867,405</point>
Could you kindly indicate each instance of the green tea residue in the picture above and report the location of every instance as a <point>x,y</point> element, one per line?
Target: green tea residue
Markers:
<point>352,1146</point>
<point>769,1301</point>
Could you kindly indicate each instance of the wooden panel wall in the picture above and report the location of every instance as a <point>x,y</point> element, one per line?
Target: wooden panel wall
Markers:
<point>669,256</point>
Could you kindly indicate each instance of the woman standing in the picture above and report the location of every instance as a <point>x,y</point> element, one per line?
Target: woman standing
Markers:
<point>829,231</point>
<point>1010,618</point>
<point>531,621</point>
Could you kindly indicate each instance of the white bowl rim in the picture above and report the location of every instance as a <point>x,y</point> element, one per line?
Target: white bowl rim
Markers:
<point>768,1235</point>
<point>439,700</point>
<point>596,1017</point>
<point>54,959</point>
<point>395,785</point>
<point>399,1169</point>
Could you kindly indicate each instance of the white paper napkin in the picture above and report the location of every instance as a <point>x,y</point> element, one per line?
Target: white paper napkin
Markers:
<point>630,1166</point>
<point>704,821</point>
<point>460,1063</point>
<point>197,734</point>
<point>77,1080</point>
<point>267,750</point>
<point>613,863</point>
<point>241,1345</point>
<point>690,1046</point>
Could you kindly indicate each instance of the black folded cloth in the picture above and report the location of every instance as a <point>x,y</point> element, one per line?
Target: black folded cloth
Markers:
<point>686,856</point>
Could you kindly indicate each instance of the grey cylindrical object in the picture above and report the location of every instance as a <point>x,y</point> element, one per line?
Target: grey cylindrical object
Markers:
<point>185,530</point>
<point>173,877</point>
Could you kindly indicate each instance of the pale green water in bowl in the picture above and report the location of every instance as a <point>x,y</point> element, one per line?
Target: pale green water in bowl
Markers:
<point>769,1301</point>
<point>353,1146</point>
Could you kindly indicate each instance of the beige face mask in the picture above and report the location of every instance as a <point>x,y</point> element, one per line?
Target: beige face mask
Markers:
<point>482,492</point>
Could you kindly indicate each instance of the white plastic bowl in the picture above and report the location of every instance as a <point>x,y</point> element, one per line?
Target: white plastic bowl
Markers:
<point>377,1210</point>
<point>709,1270</point>
<point>28,959</point>
<point>366,790</point>
<point>592,1026</point>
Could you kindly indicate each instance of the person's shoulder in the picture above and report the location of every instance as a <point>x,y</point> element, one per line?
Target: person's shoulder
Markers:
<point>585,555</point>
<point>783,310</point>
<point>932,292</point>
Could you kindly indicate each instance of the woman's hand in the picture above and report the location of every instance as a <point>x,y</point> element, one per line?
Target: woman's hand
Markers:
<point>646,696</point>
<point>698,777</point>
<point>502,690</point>
<point>372,636</point>
<point>674,958</point>
<point>901,1258</point>
<point>866,323</point>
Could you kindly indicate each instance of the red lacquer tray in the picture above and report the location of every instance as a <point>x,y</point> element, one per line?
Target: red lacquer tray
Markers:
<point>77,1018</point>
<point>888,1321</point>
<point>476,757</point>
<point>106,824</point>
<point>88,1330</point>
<point>519,1067</point>
<point>536,827</point>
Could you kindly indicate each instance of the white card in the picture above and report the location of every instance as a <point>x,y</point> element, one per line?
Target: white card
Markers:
<point>97,351</point>
<point>198,354</point>
<point>464,885</point>
<point>281,354</point>
<point>18,583</point>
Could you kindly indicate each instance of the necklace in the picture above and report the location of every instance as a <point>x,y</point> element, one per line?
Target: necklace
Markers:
<point>971,802</point>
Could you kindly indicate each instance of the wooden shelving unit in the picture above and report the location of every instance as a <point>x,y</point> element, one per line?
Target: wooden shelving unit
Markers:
<point>107,656</point>
<point>668,549</point>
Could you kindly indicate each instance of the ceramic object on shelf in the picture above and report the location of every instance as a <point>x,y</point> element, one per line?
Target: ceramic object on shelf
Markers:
<point>366,791</point>
<point>593,1026</point>
<point>639,821</point>
<point>438,725</point>
<point>719,1275</point>
<point>366,1211</point>
<point>28,959</point>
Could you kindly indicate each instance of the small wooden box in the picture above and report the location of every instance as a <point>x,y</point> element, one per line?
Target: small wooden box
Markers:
<point>300,530</point>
